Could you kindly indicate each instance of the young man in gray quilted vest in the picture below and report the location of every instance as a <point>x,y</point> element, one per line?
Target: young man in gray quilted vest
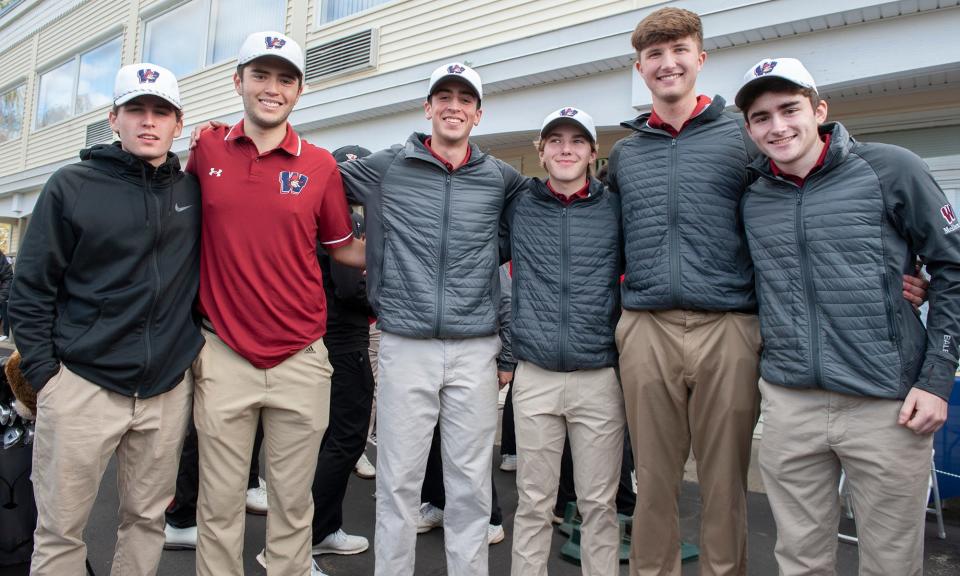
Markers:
<point>434,217</point>
<point>565,241</point>
<point>851,379</point>
<point>689,338</point>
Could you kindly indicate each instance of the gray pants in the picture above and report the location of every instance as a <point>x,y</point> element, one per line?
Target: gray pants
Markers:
<point>422,380</point>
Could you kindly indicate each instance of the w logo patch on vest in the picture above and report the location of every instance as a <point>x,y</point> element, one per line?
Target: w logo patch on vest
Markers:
<point>950,216</point>
<point>292,182</point>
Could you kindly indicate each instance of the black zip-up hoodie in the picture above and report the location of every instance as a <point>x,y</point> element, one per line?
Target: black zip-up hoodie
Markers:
<point>108,273</point>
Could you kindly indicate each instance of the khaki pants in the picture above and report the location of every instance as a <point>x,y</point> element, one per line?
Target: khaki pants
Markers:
<point>587,405</point>
<point>79,427</point>
<point>690,378</point>
<point>423,380</point>
<point>293,399</point>
<point>808,435</point>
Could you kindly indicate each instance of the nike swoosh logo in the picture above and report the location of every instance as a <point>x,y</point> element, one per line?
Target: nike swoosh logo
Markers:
<point>180,208</point>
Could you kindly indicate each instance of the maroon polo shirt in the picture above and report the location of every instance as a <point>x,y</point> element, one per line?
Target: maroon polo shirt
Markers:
<point>566,200</point>
<point>260,283</point>
<point>656,122</point>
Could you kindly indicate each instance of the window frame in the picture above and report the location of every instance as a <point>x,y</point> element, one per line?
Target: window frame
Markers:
<point>12,87</point>
<point>209,39</point>
<point>74,59</point>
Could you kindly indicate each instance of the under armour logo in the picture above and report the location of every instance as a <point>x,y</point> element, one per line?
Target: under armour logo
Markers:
<point>215,172</point>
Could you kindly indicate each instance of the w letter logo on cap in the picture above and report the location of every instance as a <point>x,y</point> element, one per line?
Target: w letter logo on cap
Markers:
<point>455,69</point>
<point>272,42</point>
<point>292,182</point>
<point>147,75</point>
<point>765,68</point>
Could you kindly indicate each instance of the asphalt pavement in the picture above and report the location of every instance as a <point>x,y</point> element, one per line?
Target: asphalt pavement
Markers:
<point>942,557</point>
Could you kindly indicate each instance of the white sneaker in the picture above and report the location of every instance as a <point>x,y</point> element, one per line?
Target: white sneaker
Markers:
<point>179,538</point>
<point>495,534</point>
<point>257,499</point>
<point>509,463</point>
<point>2,337</point>
<point>364,468</point>
<point>314,569</point>
<point>340,542</point>
<point>430,517</point>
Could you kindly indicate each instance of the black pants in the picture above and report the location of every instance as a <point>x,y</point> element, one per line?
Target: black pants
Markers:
<point>626,499</point>
<point>433,491</point>
<point>351,397</point>
<point>5,319</point>
<point>508,434</point>
<point>182,512</point>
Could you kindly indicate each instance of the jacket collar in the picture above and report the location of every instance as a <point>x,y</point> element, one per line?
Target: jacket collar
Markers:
<point>415,148</point>
<point>113,158</point>
<point>539,188</point>
<point>710,113</point>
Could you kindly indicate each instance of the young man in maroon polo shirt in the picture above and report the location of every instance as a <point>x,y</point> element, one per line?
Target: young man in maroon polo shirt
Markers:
<point>689,339</point>
<point>268,197</point>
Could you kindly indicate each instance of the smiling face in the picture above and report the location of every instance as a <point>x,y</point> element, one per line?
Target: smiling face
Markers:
<point>670,68</point>
<point>566,153</point>
<point>270,87</point>
<point>147,126</point>
<point>784,125</point>
<point>453,110</point>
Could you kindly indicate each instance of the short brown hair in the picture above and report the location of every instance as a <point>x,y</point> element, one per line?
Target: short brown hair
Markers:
<point>779,86</point>
<point>667,24</point>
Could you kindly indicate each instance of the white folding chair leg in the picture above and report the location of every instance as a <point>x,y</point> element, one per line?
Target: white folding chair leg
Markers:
<point>847,504</point>
<point>934,487</point>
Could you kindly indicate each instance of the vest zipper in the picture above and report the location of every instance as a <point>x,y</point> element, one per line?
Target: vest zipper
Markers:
<point>156,288</point>
<point>564,287</point>
<point>809,292</point>
<point>673,203</point>
<point>441,281</point>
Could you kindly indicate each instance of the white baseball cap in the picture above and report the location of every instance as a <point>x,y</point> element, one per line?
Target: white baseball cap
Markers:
<point>456,71</point>
<point>270,43</point>
<point>569,115</point>
<point>790,69</point>
<point>145,79</point>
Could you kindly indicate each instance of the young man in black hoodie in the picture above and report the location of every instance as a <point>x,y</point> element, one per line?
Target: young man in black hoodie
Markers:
<point>101,308</point>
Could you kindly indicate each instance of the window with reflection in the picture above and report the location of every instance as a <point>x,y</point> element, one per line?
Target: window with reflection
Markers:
<point>81,84</point>
<point>212,31</point>
<point>11,112</point>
